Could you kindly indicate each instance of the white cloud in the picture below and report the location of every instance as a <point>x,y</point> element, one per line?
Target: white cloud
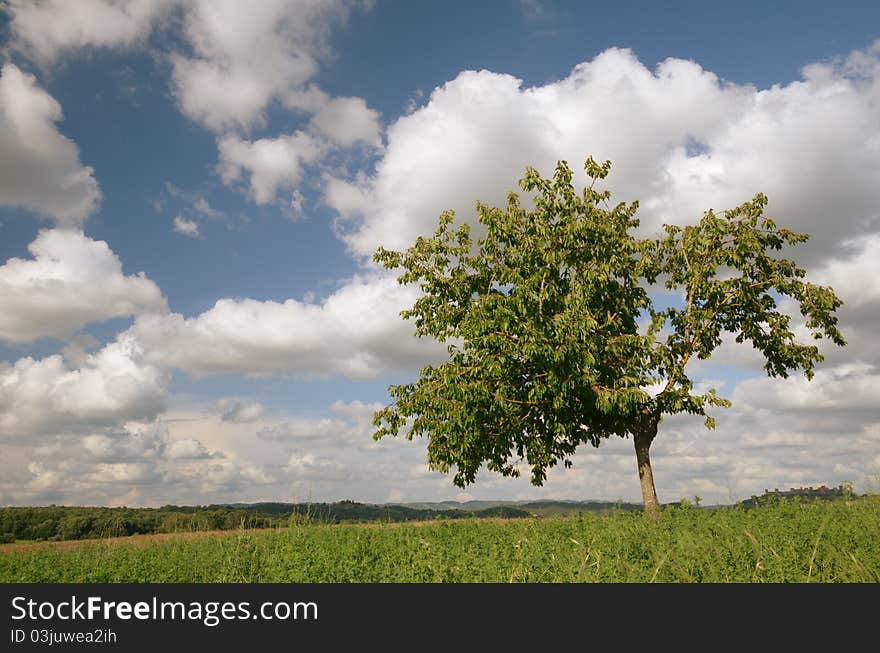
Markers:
<point>71,281</point>
<point>47,396</point>
<point>349,199</point>
<point>305,430</point>
<point>271,163</point>
<point>188,449</point>
<point>46,29</point>
<point>186,227</point>
<point>138,464</point>
<point>133,446</point>
<point>356,331</point>
<point>856,278</point>
<point>356,409</point>
<point>846,388</point>
<point>309,467</point>
<point>348,121</point>
<point>40,170</point>
<point>247,55</point>
<point>348,431</point>
<point>229,478</point>
<point>811,146</point>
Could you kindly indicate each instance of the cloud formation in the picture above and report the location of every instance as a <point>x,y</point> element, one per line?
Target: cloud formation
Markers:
<point>270,163</point>
<point>46,29</point>
<point>71,281</point>
<point>246,56</point>
<point>848,388</point>
<point>48,396</point>
<point>239,61</point>
<point>137,464</point>
<point>41,169</point>
<point>348,121</point>
<point>356,332</point>
<point>680,139</point>
<point>855,275</point>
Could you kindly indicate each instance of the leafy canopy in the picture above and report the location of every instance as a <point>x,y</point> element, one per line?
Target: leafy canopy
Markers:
<point>552,336</point>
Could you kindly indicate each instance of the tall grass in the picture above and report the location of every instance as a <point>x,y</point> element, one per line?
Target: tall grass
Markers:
<point>788,541</point>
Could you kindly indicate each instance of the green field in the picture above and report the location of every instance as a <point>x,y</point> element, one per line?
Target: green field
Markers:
<point>788,541</point>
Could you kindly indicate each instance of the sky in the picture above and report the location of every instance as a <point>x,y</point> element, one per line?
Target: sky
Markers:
<point>191,191</point>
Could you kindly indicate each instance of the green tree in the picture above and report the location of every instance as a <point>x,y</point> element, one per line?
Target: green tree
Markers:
<point>553,338</point>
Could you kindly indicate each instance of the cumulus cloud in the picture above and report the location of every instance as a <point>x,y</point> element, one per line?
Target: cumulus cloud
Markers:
<point>130,447</point>
<point>71,281</point>
<point>681,141</point>
<point>855,278</point>
<point>241,59</point>
<point>348,429</point>
<point>270,163</point>
<point>356,331</point>
<point>850,387</point>
<point>767,444</point>
<point>246,56</point>
<point>45,29</point>
<point>188,449</point>
<point>47,396</point>
<point>356,410</point>
<point>228,477</point>
<point>135,464</point>
<point>41,169</point>
<point>349,198</point>
<point>348,121</point>
<point>309,467</point>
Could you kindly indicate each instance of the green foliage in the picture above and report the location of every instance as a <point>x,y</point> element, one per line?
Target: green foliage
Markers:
<point>732,284</point>
<point>53,523</point>
<point>542,314</point>
<point>77,523</point>
<point>785,541</point>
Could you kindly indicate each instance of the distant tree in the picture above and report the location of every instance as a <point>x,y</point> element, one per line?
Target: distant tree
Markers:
<point>552,335</point>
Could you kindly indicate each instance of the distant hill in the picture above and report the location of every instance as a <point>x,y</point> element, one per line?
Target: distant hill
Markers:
<point>53,523</point>
<point>544,508</point>
<point>421,510</point>
<point>352,511</point>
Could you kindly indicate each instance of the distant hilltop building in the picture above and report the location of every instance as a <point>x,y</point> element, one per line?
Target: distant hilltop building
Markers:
<point>821,492</point>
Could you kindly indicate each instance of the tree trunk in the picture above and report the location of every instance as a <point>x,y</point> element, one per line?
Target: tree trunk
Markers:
<point>643,436</point>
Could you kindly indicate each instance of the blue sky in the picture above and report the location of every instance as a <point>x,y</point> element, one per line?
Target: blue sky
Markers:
<point>247,161</point>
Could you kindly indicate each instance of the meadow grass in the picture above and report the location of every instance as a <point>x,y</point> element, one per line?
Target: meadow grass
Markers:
<point>788,541</point>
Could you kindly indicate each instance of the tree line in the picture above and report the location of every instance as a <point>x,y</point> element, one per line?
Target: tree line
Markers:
<point>55,523</point>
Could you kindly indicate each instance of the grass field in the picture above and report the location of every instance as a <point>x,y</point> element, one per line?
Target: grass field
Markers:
<point>798,542</point>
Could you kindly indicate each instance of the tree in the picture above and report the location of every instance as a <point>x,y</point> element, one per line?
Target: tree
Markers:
<point>552,335</point>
